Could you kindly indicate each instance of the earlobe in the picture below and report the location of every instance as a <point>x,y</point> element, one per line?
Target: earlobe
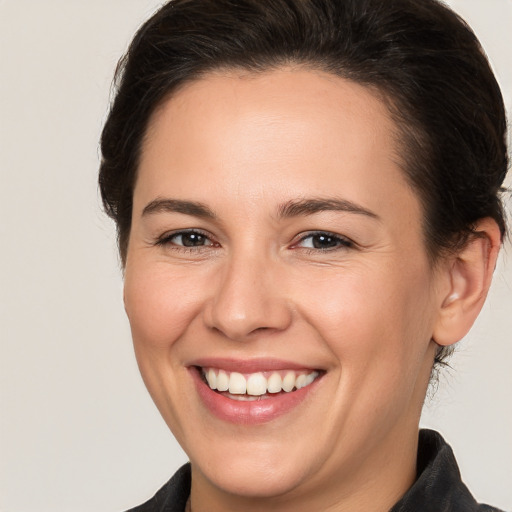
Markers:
<point>469,274</point>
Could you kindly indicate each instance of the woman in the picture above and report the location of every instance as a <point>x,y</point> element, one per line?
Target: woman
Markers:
<point>307,202</point>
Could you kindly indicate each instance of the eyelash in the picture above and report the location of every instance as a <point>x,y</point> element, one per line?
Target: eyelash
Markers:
<point>339,242</point>
<point>167,240</point>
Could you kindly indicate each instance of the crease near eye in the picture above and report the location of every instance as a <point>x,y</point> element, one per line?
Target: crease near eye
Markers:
<point>323,241</point>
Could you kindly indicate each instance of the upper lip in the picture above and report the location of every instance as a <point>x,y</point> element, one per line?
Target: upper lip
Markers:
<point>249,365</point>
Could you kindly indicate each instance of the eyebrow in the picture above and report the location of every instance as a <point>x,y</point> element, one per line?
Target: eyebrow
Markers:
<point>178,206</point>
<point>294,208</point>
<point>316,205</point>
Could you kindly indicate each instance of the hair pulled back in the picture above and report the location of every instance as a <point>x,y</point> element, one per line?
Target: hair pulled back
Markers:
<point>423,60</point>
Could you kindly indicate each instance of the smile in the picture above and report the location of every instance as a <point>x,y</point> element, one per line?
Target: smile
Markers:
<point>257,385</point>
<point>252,392</point>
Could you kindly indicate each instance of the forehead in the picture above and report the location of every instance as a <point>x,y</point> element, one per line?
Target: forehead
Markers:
<point>294,129</point>
<point>289,95</point>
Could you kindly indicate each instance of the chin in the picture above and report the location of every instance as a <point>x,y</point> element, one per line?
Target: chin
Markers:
<point>258,477</point>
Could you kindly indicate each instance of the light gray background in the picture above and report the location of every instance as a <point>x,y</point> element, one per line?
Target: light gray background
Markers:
<point>78,431</point>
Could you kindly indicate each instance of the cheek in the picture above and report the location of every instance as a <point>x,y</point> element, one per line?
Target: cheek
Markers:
<point>160,305</point>
<point>378,330</point>
<point>372,315</point>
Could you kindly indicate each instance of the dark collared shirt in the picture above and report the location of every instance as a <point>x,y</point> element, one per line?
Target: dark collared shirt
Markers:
<point>438,487</point>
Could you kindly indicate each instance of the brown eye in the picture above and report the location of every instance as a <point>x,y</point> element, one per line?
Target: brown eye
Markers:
<point>187,239</point>
<point>191,239</point>
<point>324,241</point>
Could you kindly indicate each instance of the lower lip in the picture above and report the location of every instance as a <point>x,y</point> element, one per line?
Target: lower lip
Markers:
<point>249,412</point>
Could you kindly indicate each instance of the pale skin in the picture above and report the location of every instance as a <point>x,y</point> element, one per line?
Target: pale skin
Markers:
<point>234,151</point>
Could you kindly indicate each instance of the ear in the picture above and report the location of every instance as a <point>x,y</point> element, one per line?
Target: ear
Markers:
<point>469,274</point>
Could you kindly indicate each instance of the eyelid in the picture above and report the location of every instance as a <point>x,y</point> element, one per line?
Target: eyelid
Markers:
<point>166,238</point>
<point>345,242</point>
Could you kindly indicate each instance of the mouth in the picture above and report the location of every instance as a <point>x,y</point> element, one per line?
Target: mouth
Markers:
<point>243,394</point>
<point>258,385</point>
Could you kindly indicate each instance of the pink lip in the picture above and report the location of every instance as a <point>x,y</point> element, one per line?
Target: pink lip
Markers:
<point>248,413</point>
<point>249,365</point>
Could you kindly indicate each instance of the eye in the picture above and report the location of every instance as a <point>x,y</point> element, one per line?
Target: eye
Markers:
<point>189,238</point>
<point>324,241</point>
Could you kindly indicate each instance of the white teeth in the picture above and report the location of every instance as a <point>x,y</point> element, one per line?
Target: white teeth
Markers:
<point>222,381</point>
<point>310,378</point>
<point>245,398</point>
<point>237,384</point>
<point>300,382</point>
<point>289,381</point>
<point>275,383</point>
<point>211,378</point>
<point>256,384</point>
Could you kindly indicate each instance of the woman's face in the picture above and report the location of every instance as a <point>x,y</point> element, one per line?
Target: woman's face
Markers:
<point>274,236</point>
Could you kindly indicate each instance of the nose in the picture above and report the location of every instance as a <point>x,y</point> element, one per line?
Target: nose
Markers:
<point>249,297</point>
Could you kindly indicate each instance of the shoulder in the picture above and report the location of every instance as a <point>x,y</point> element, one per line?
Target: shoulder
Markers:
<point>172,497</point>
<point>439,487</point>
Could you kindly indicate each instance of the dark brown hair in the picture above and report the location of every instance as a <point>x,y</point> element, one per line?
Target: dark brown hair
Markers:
<point>419,55</point>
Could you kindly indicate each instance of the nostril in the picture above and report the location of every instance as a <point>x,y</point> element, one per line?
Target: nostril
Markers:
<point>261,329</point>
